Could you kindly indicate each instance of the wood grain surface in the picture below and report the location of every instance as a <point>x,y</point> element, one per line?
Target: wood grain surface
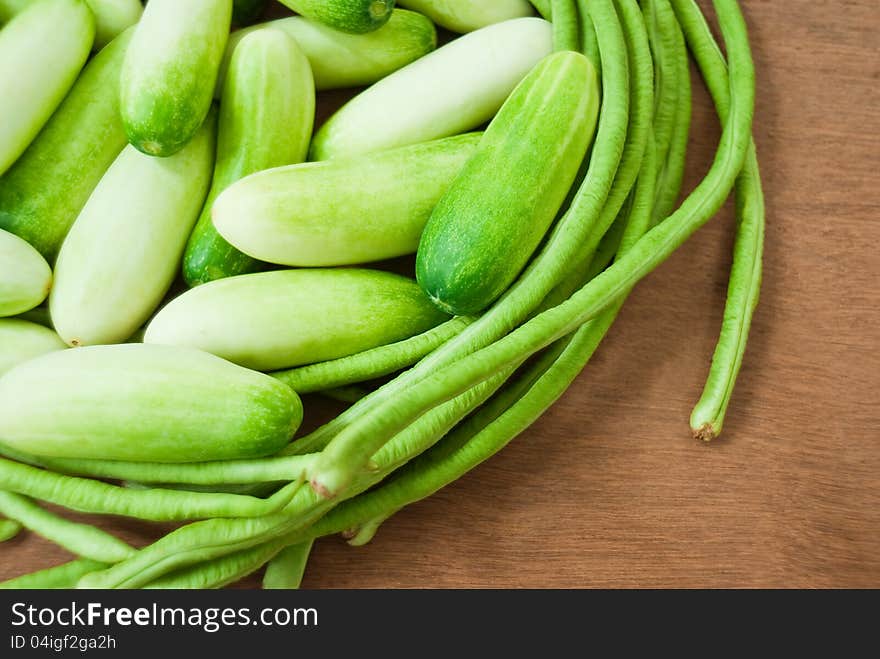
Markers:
<point>608,489</point>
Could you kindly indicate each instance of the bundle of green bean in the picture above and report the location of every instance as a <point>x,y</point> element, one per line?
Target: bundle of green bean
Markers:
<point>526,251</point>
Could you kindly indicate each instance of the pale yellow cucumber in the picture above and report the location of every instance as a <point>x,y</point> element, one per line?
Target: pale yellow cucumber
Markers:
<point>124,249</point>
<point>274,320</point>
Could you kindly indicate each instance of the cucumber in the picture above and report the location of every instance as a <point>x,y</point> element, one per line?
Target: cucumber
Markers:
<point>274,320</point>
<point>25,277</point>
<point>484,230</point>
<point>144,403</point>
<point>124,249</point>
<point>353,16</point>
<point>344,211</point>
<point>452,90</point>
<point>266,119</point>
<point>42,49</point>
<point>44,191</point>
<point>112,18</point>
<point>349,60</point>
<point>245,12</point>
<point>467,15</point>
<point>170,70</point>
<point>21,341</point>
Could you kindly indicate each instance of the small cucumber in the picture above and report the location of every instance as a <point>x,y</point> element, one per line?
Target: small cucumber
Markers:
<point>138,220</point>
<point>354,16</point>
<point>452,90</point>
<point>245,12</point>
<point>42,50</point>
<point>274,320</point>
<point>144,403</point>
<point>349,60</point>
<point>170,71</point>
<point>467,15</point>
<point>112,18</point>
<point>25,277</point>
<point>485,229</point>
<point>44,191</point>
<point>21,341</point>
<point>266,118</point>
<point>344,211</point>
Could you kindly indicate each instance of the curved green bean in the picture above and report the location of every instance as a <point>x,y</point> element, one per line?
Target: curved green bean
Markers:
<point>661,24</point>
<point>744,287</point>
<point>221,472</point>
<point>370,364</point>
<point>672,171</point>
<point>9,528</point>
<point>81,539</point>
<point>219,572</point>
<point>61,576</point>
<point>156,504</point>
<point>286,569</point>
<point>565,25</point>
<point>589,42</point>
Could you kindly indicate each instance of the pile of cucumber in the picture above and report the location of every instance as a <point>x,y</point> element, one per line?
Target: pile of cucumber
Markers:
<point>184,253</point>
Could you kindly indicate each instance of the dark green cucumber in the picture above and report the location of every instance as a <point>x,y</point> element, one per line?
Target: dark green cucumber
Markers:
<point>245,12</point>
<point>170,71</point>
<point>266,117</point>
<point>486,227</point>
<point>44,191</point>
<point>355,16</point>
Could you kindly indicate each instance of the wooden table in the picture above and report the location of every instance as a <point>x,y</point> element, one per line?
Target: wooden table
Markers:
<point>608,489</point>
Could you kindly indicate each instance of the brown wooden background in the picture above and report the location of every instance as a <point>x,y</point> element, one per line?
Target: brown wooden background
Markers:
<point>608,489</point>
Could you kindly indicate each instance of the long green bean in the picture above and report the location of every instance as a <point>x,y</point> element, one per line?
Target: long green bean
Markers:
<point>156,504</point>
<point>286,569</point>
<point>9,528</point>
<point>81,539</point>
<point>59,577</point>
<point>370,364</point>
<point>744,288</point>
<point>672,171</point>
<point>256,470</point>
<point>565,25</point>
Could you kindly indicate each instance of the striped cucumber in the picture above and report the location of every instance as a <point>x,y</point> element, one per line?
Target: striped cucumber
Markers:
<point>42,50</point>
<point>21,341</point>
<point>274,320</point>
<point>344,211</point>
<point>137,220</point>
<point>44,191</point>
<point>354,16</point>
<point>485,229</point>
<point>266,118</point>
<point>452,90</point>
<point>112,18</point>
<point>348,60</point>
<point>144,403</point>
<point>170,71</point>
<point>467,15</point>
<point>25,277</point>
